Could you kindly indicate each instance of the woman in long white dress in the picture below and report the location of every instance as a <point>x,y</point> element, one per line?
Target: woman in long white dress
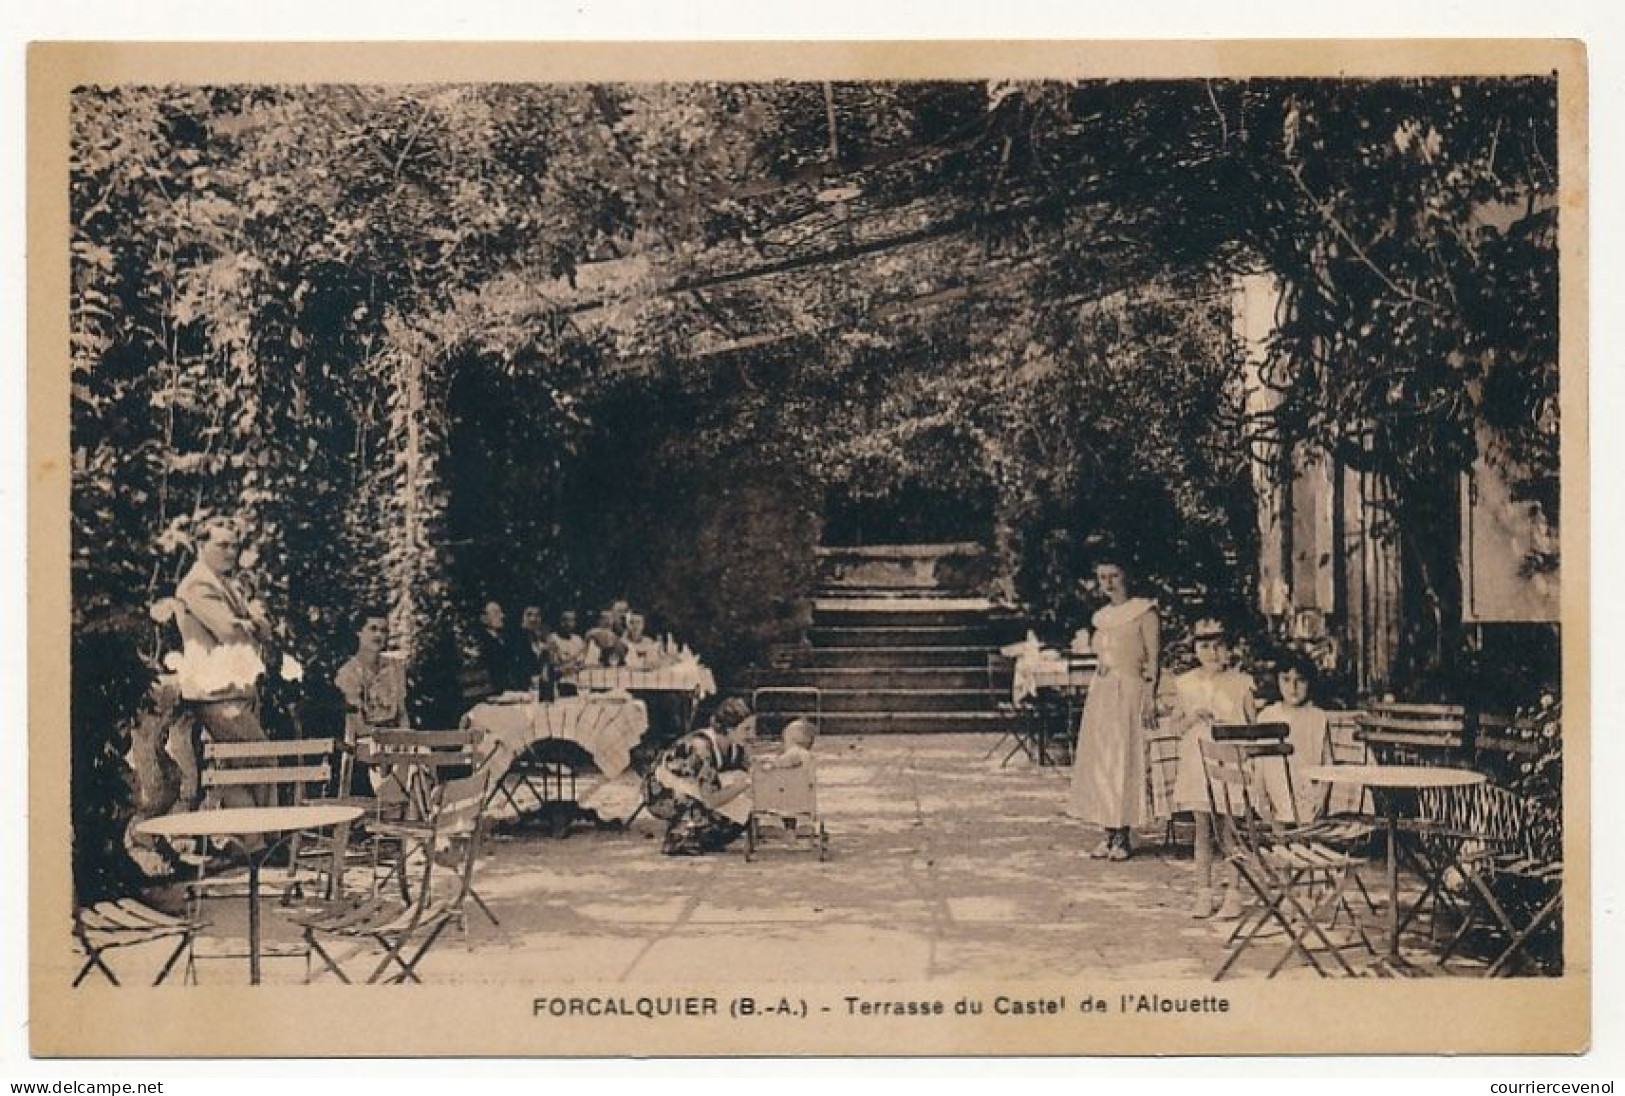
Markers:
<point>1108,773</point>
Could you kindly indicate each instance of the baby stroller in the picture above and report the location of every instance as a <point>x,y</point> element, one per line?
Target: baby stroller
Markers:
<point>784,805</point>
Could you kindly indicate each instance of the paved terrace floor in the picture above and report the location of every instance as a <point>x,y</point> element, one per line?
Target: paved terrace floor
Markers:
<point>943,865</point>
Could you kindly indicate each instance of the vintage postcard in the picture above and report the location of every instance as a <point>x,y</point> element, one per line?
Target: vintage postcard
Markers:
<point>889,548</point>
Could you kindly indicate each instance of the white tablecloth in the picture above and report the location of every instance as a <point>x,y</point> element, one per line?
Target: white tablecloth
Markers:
<point>606,727</point>
<point>691,678</point>
<point>1050,670</point>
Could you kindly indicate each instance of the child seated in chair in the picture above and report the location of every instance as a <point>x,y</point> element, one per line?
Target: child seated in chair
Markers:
<point>799,736</point>
<point>784,785</point>
<point>1295,800</point>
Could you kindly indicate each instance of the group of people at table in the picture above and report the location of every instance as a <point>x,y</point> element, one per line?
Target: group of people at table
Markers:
<point>225,632</point>
<point>700,783</point>
<point>544,659</point>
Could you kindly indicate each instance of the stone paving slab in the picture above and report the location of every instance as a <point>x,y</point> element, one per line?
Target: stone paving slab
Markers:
<point>942,866</point>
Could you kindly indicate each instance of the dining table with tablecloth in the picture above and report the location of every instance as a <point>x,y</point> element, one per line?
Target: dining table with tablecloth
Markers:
<point>689,677</point>
<point>606,725</point>
<point>1039,669</point>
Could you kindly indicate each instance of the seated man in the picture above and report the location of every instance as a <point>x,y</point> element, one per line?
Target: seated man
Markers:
<point>491,666</point>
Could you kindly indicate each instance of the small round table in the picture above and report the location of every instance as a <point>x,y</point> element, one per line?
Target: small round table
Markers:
<point>250,822</point>
<point>1394,778</point>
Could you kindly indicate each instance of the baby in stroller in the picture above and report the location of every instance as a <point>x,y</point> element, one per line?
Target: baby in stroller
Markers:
<point>784,793</point>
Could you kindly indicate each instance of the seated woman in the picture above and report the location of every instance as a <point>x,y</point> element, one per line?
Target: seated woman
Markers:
<point>703,777</point>
<point>374,688</point>
<point>642,652</point>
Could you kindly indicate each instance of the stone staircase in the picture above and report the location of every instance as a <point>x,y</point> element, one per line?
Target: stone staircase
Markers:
<point>900,641</point>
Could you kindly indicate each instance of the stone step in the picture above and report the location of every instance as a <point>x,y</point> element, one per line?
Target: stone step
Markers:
<point>975,722</point>
<point>901,640</point>
<point>925,612</point>
<point>965,568</point>
<point>837,602</point>
<point>893,593</point>
<point>961,635</point>
<point>910,700</point>
<point>965,657</point>
<point>895,677</point>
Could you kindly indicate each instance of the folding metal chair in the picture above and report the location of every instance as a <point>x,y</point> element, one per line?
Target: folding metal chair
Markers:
<point>1400,733</point>
<point>1511,862</point>
<point>405,931</point>
<point>108,926</point>
<point>1021,733</point>
<point>1298,883</point>
<point>410,764</point>
<point>287,771</point>
<point>1270,759</point>
<point>275,772</point>
<point>1015,719</point>
<point>291,770</point>
<point>1406,733</point>
<point>1161,772</point>
<point>412,767</point>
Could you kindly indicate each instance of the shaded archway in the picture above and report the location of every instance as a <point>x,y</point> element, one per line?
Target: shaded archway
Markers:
<point>909,485</point>
<point>911,512</point>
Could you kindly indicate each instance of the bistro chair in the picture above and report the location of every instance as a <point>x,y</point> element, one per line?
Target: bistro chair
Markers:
<point>1415,734</point>
<point>408,765</point>
<point>1013,717</point>
<point>1161,774</point>
<point>1346,746</point>
<point>1272,765</point>
<point>1436,734</point>
<point>1056,715</point>
<point>125,922</point>
<point>412,767</point>
<point>1297,882</point>
<point>283,772</point>
<point>279,772</point>
<point>405,931</point>
<point>1509,856</point>
<point>1022,731</point>
<point>1270,757</point>
<point>1345,816</point>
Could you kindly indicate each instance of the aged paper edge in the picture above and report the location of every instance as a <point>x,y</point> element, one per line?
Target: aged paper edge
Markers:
<point>1402,1016</point>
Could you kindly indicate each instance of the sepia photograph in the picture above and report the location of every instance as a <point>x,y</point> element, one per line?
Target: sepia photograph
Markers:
<point>1061,549</point>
